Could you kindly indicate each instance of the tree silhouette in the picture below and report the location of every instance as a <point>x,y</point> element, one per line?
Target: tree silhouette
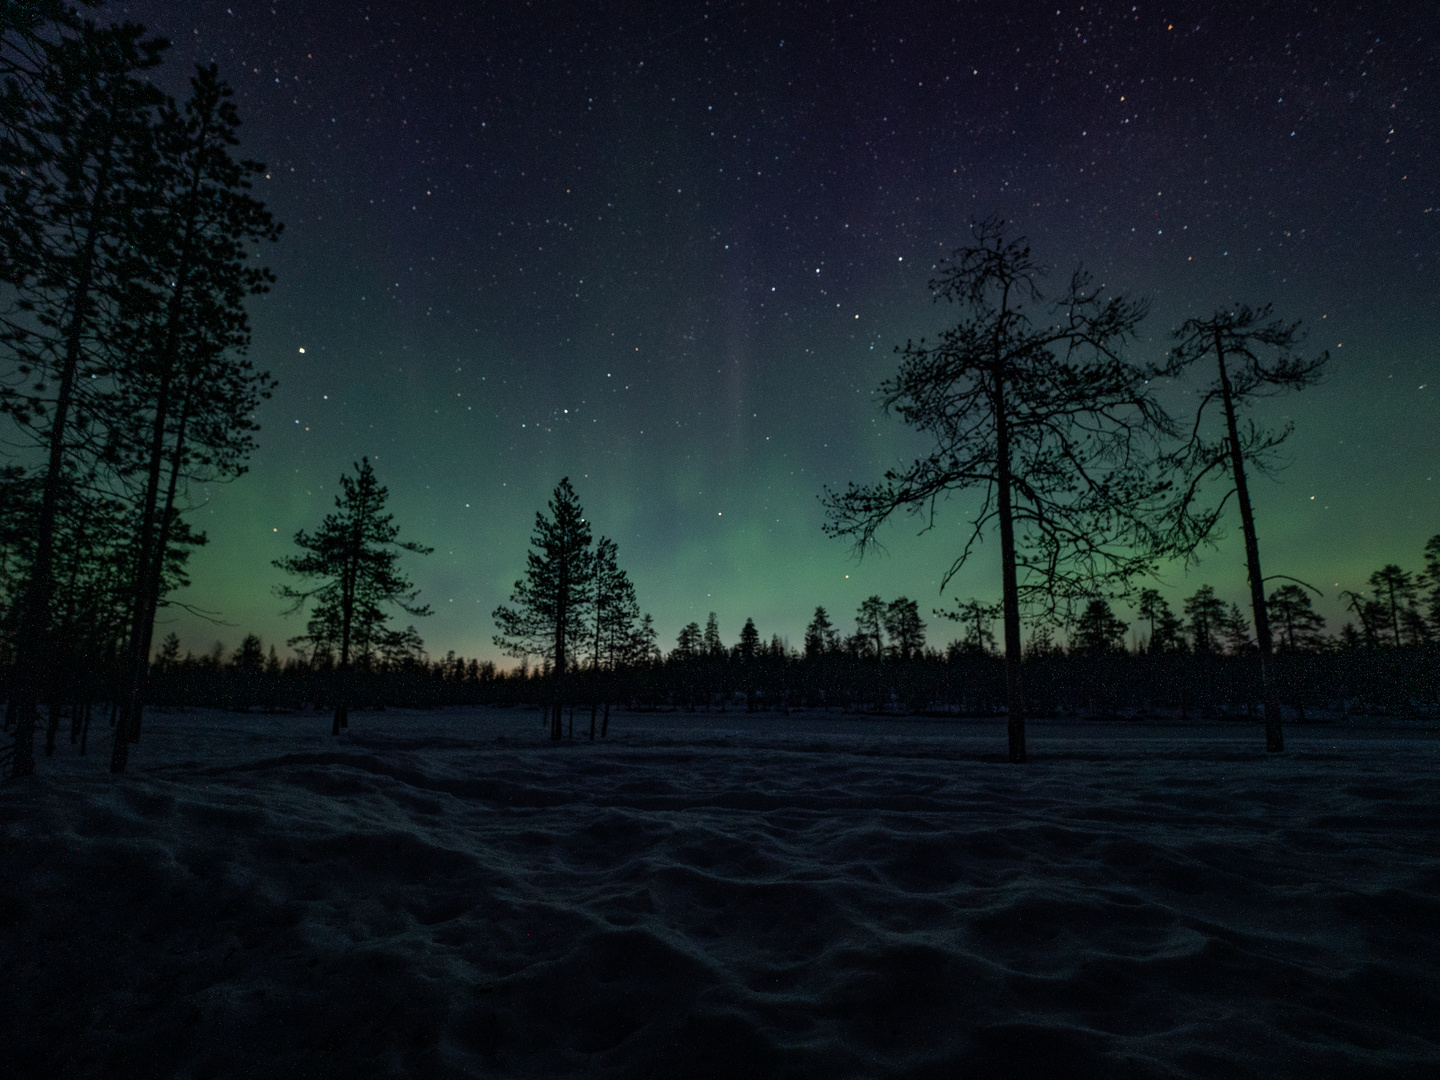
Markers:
<point>688,643</point>
<point>749,645</point>
<point>1206,615</point>
<point>1099,631</point>
<point>820,636</point>
<point>1235,631</point>
<point>75,170</point>
<point>713,645</point>
<point>1294,616</point>
<point>1396,593</point>
<point>192,400</point>
<point>905,630</point>
<point>1255,357</point>
<point>1431,583</point>
<point>350,567</point>
<point>547,612</point>
<point>976,618</point>
<point>1165,628</point>
<point>870,624</point>
<point>1031,404</point>
<point>616,614</point>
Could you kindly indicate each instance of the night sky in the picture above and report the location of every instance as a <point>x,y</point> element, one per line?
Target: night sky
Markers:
<point>667,250</point>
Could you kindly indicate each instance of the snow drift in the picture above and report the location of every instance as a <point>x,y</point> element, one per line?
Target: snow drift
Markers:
<point>449,894</point>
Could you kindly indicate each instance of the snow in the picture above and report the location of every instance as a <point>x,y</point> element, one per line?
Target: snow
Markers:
<point>449,894</point>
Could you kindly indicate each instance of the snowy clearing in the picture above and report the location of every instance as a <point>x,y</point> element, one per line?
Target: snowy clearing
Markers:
<point>450,894</point>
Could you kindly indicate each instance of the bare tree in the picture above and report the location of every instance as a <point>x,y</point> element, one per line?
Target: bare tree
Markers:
<point>1255,357</point>
<point>1030,403</point>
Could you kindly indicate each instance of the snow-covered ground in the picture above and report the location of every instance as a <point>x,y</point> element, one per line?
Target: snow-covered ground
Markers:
<point>449,894</point>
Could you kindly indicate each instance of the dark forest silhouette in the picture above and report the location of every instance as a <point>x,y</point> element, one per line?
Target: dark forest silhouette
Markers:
<point>1198,665</point>
<point>126,244</point>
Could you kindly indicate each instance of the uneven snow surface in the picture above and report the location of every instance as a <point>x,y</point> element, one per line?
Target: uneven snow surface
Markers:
<point>449,894</point>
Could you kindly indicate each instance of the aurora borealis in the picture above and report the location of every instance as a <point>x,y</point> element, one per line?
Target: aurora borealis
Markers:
<point>667,250</point>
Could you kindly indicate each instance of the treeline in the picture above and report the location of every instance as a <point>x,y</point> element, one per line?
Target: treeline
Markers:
<point>128,238</point>
<point>1198,663</point>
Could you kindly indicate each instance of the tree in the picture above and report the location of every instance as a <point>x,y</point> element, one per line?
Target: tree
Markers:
<point>1206,614</point>
<point>870,624</point>
<point>903,625</point>
<point>749,645</point>
<point>1396,593</point>
<point>1431,582</point>
<point>1165,628</point>
<point>820,636</point>
<point>349,567</point>
<point>1294,617</point>
<point>75,167</point>
<point>1098,630</point>
<point>1235,631</point>
<point>191,398</point>
<point>976,618</point>
<point>1255,357</point>
<point>1030,404</point>
<point>547,612</point>
<point>714,647</point>
<point>616,614</point>
<point>688,643</point>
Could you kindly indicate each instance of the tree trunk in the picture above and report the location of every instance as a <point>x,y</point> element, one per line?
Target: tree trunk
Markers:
<point>562,598</point>
<point>1274,734</point>
<point>1014,692</point>
<point>347,609</point>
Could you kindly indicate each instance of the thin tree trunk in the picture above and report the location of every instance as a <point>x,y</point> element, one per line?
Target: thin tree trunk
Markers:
<point>562,599</point>
<point>1274,734</point>
<point>143,628</point>
<point>1014,692</point>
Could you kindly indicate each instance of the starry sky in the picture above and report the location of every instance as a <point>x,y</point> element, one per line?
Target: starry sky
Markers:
<point>667,249</point>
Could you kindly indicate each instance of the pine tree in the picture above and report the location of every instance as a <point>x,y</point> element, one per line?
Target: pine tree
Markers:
<point>1294,618</point>
<point>870,624</point>
<point>547,612</point>
<point>714,647</point>
<point>1165,628</point>
<point>76,162</point>
<point>904,628</point>
<point>1396,593</point>
<point>1431,583</point>
<point>820,636</point>
<point>1032,404</point>
<point>1099,630</point>
<point>1235,631</point>
<point>1206,614</point>
<point>191,398</point>
<point>350,567</point>
<point>1255,357</point>
<point>749,645</point>
<point>688,643</point>
<point>975,618</point>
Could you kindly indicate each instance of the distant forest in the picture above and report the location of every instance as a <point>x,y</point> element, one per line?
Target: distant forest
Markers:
<point>130,243</point>
<point>1197,664</point>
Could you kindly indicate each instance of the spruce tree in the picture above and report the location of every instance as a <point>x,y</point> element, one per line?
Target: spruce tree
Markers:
<point>349,569</point>
<point>547,613</point>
